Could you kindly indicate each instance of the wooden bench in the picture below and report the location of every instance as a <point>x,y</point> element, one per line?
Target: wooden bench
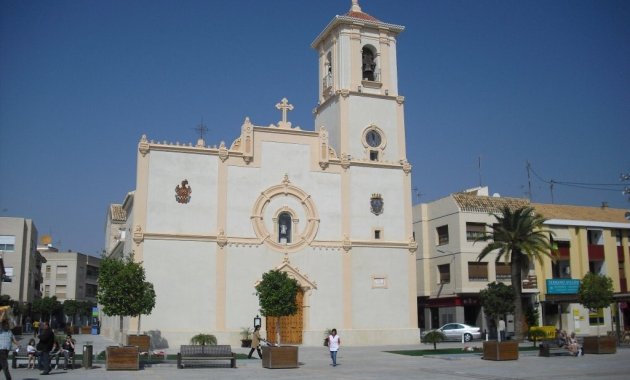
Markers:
<point>189,354</point>
<point>22,354</point>
<point>62,358</point>
<point>550,348</point>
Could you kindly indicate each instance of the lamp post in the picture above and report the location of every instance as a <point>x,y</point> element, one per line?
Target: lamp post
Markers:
<point>257,321</point>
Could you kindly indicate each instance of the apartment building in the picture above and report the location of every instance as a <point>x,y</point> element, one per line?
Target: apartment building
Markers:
<point>450,277</point>
<point>69,275</point>
<point>588,239</point>
<point>22,262</point>
<point>592,239</point>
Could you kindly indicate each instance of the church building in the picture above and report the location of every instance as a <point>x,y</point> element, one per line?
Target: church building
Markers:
<point>330,206</point>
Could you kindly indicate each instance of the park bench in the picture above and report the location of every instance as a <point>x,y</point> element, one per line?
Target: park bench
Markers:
<point>21,354</point>
<point>548,348</point>
<point>196,354</point>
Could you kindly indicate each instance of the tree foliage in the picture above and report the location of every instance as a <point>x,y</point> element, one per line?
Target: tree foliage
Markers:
<point>122,289</point>
<point>70,308</point>
<point>497,300</point>
<point>518,238</point>
<point>276,294</point>
<point>596,291</point>
<point>47,306</point>
<point>435,337</point>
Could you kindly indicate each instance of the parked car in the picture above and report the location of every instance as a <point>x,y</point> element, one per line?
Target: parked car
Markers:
<point>454,331</point>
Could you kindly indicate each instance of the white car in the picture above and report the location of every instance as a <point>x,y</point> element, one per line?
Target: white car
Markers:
<point>454,331</point>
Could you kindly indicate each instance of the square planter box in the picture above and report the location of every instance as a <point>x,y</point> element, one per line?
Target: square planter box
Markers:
<point>86,329</point>
<point>142,341</point>
<point>280,357</point>
<point>507,350</point>
<point>122,358</point>
<point>600,345</point>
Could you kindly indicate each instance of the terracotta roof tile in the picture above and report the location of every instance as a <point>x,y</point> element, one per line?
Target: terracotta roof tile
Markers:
<point>570,212</point>
<point>475,203</point>
<point>362,16</point>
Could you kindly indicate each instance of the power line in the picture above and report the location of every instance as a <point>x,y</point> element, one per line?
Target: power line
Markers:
<point>613,187</point>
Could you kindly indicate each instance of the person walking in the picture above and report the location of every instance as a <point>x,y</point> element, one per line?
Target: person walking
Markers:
<point>334,341</point>
<point>45,345</point>
<point>35,328</point>
<point>255,343</point>
<point>6,339</point>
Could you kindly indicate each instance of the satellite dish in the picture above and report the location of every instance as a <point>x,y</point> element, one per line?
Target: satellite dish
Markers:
<point>627,215</point>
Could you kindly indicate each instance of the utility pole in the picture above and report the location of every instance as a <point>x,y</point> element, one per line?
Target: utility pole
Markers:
<point>529,181</point>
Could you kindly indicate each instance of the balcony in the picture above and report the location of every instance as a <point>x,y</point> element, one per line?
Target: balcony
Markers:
<point>595,252</point>
<point>530,282</point>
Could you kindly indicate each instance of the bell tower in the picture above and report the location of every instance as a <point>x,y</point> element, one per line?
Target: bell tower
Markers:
<point>358,100</point>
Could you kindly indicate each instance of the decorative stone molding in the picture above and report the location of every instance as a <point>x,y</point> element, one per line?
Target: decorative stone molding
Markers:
<point>294,272</point>
<point>300,238</point>
<point>347,243</point>
<point>345,92</point>
<point>143,147</point>
<point>222,239</point>
<point>223,152</point>
<point>345,161</point>
<point>324,154</point>
<point>413,245</point>
<point>406,166</point>
<point>400,99</point>
<point>138,235</point>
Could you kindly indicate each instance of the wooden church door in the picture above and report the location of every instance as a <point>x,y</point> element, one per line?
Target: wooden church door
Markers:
<point>290,326</point>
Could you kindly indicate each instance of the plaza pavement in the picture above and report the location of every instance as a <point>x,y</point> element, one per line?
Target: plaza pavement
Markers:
<point>365,363</point>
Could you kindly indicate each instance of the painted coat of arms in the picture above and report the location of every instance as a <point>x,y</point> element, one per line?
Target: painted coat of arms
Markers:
<point>182,192</point>
<point>376,204</point>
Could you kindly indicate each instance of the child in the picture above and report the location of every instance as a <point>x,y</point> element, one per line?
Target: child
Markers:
<point>31,351</point>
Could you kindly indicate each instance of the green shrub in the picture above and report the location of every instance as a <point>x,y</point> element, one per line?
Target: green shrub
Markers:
<point>204,340</point>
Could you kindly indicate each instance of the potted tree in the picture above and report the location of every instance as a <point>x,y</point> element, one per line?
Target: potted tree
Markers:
<point>498,300</point>
<point>596,292</point>
<point>123,291</point>
<point>276,295</point>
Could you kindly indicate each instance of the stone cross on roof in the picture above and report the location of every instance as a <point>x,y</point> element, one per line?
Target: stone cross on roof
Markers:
<point>285,107</point>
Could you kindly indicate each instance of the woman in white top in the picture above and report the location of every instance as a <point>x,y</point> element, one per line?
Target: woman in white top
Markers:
<point>333,345</point>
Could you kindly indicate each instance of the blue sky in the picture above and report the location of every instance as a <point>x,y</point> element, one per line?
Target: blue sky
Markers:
<point>497,82</point>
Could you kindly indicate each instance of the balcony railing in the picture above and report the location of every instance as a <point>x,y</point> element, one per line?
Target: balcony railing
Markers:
<point>530,282</point>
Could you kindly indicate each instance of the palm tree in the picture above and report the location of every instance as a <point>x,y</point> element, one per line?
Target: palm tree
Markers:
<point>518,237</point>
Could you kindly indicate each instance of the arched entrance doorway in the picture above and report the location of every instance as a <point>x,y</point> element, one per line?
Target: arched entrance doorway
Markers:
<point>290,327</point>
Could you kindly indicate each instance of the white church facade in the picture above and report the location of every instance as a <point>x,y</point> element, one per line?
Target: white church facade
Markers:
<point>331,207</point>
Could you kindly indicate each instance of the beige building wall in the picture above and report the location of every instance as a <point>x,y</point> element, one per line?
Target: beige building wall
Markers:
<point>22,262</point>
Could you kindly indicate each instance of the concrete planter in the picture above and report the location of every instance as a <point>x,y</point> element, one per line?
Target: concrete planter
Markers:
<point>280,357</point>
<point>600,345</point>
<point>122,358</point>
<point>507,350</point>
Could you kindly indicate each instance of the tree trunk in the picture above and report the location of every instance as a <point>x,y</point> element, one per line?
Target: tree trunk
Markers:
<point>121,330</point>
<point>517,283</point>
<point>139,319</point>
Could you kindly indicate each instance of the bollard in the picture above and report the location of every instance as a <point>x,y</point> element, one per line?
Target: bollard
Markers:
<point>87,356</point>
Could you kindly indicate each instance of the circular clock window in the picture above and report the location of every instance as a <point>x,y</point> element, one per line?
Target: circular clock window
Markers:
<point>373,138</point>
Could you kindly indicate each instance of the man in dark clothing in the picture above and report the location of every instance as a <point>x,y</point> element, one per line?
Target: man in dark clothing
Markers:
<point>46,340</point>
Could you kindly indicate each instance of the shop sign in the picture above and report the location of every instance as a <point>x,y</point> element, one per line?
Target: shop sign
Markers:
<point>562,286</point>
